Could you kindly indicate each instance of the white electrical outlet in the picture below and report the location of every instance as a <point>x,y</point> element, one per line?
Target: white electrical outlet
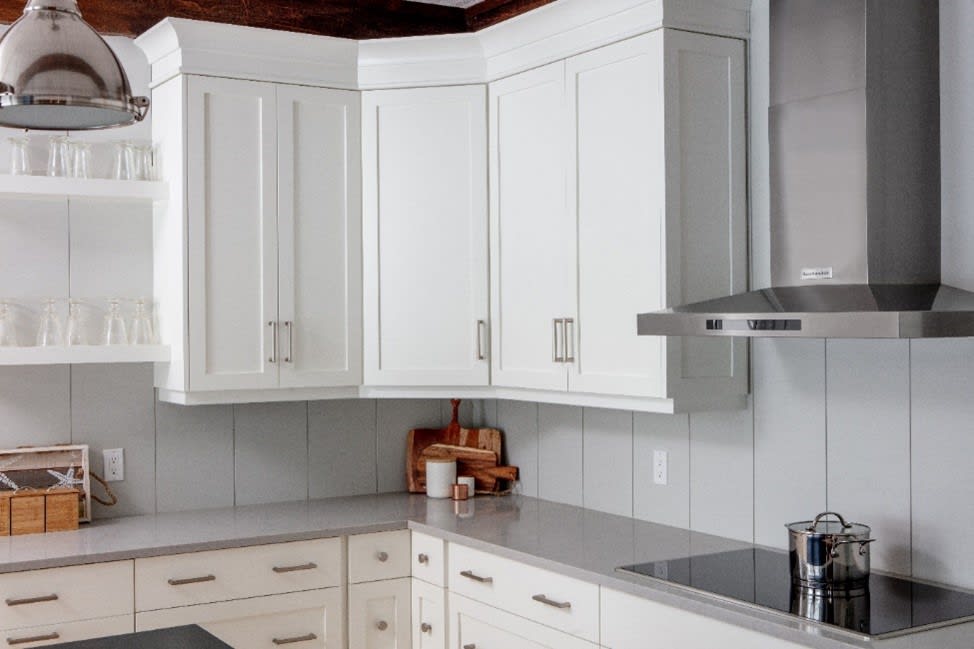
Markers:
<point>114,464</point>
<point>659,467</point>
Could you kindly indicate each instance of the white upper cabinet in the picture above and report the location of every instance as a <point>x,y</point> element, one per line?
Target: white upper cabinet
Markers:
<point>425,236</point>
<point>231,172</point>
<point>319,221</point>
<point>618,187</point>
<point>259,273</point>
<point>531,238</point>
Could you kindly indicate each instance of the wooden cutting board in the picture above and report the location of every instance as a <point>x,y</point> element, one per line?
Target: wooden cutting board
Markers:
<point>482,439</point>
<point>481,464</point>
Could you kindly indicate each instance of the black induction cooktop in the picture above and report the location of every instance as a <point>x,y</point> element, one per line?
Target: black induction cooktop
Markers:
<point>887,606</point>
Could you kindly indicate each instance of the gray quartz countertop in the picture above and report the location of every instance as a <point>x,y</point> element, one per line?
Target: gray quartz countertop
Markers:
<point>577,542</point>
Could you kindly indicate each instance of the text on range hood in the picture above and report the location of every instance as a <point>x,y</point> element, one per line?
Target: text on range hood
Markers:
<point>854,135</point>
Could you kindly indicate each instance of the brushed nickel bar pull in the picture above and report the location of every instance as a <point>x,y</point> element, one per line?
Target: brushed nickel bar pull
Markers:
<point>289,326</point>
<point>551,602</point>
<point>304,566</point>
<point>34,638</point>
<point>469,574</point>
<point>308,637</point>
<point>192,580</point>
<point>555,356</point>
<point>469,646</point>
<point>481,329</point>
<point>32,600</point>
<point>273,357</point>
<point>569,339</point>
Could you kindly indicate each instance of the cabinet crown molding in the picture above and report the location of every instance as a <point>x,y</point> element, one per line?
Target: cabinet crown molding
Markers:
<point>551,32</point>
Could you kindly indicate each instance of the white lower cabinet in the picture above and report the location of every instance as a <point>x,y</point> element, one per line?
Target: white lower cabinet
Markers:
<point>428,616</point>
<point>38,636</point>
<point>630,622</point>
<point>474,625</point>
<point>309,619</point>
<point>378,615</point>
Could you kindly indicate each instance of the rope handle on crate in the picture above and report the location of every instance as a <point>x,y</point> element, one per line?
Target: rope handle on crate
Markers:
<point>108,490</point>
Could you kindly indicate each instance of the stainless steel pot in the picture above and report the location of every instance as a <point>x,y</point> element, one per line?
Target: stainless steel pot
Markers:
<point>827,552</point>
<point>848,608</point>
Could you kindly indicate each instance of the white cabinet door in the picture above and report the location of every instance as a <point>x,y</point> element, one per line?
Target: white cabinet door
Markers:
<point>428,615</point>
<point>477,625</point>
<point>532,239</point>
<point>320,237</point>
<point>378,615</point>
<point>629,621</point>
<point>231,175</point>
<point>425,236</point>
<point>616,185</point>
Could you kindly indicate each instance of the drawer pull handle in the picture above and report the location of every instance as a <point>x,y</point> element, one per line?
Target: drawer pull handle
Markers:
<point>32,600</point>
<point>469,646</point>
<point>382,556</point>
<point>469,574</point>
<point>303,566</point>
<point>426,627</point>
<point>192,580</point>
<point>422,558</point>
<point>551,602</point>
<point>299,638</point>
<point>382,625</point>
<point>34,638</point>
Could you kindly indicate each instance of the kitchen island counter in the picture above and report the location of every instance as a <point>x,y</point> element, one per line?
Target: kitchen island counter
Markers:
<point>577,542</point>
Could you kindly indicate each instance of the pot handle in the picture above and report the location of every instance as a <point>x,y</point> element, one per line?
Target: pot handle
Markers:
<point>811,528</point>
<point>862,545</point>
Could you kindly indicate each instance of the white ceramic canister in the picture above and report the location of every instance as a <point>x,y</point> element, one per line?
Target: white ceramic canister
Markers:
<point>440,477</point>
<point>469,481</point>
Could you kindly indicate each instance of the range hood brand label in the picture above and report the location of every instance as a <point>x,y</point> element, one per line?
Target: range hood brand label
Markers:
<point>817,273</point>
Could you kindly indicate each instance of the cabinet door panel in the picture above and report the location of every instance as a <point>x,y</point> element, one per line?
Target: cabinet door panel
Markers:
<point>428,616</point>
<point>378,615</point>
<point>320,237</point>
<point>425,236</point>
<point>532,240</point>
<point>232,232</point>
<point>617,185</point>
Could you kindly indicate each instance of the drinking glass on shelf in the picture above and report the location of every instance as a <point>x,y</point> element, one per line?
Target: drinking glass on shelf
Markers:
<point>8,328</point>
<point>49,333</point>
<point>141,324</point>
<point>114,332</point>
<point>19,155</point>
<point>145,161</point>
<point>77,326</point>
<point>59,152</point>
<point>124,166</point>
<point>81,160</point>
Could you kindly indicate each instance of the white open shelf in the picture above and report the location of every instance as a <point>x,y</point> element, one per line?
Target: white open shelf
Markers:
<point>47,187</point>
<point>84,354</point>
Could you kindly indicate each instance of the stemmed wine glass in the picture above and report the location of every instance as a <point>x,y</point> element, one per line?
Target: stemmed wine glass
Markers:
<point>141,324</point>
<point>77,334</point>
<point>114,331</point>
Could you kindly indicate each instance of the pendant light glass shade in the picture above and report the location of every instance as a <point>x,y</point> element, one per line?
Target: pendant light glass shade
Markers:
<point>58,74</point>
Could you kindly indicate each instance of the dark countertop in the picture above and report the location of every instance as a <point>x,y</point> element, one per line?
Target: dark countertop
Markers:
<point>578,542</point>
<point>180,637</point>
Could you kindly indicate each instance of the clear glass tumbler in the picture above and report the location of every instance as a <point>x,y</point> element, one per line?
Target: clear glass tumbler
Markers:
<point>8,328</point>
<point>141,333</point>
<point>77,333</point>
<point>124,167</point>
<point>114,332</point>
<point>81,167</point>
<point>146,161</point>
<point>20,155</point>
<point>58,156</point>
<point>49,333</point>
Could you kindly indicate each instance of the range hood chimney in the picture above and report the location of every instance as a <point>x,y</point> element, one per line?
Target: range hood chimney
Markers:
<point>855,183</point>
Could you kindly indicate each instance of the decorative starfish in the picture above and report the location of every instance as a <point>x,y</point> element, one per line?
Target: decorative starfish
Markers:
<point>63,479</point>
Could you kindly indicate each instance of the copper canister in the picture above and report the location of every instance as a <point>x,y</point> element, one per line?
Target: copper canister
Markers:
<point>460,492</point>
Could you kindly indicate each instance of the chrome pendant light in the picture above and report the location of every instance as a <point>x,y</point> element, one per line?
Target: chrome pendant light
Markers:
<point>58,74</point>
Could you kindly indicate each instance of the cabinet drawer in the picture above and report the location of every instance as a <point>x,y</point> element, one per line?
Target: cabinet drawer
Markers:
<point>564,603</point>
<point>429,616</point>
<point>220,575</point>
<point>256,623</point>
<point>383,555</point>
<point>38,636</point>
<point>473,624</point>
<point>38,597</point>
<point>429,559</point>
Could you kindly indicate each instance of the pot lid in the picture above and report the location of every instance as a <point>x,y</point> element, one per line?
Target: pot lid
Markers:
<point>835,526</point>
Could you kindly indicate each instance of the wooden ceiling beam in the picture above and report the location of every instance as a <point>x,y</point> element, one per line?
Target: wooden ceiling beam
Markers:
<point>358,19</point>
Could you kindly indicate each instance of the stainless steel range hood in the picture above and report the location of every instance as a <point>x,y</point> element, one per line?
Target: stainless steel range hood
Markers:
<point>855,183</point>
